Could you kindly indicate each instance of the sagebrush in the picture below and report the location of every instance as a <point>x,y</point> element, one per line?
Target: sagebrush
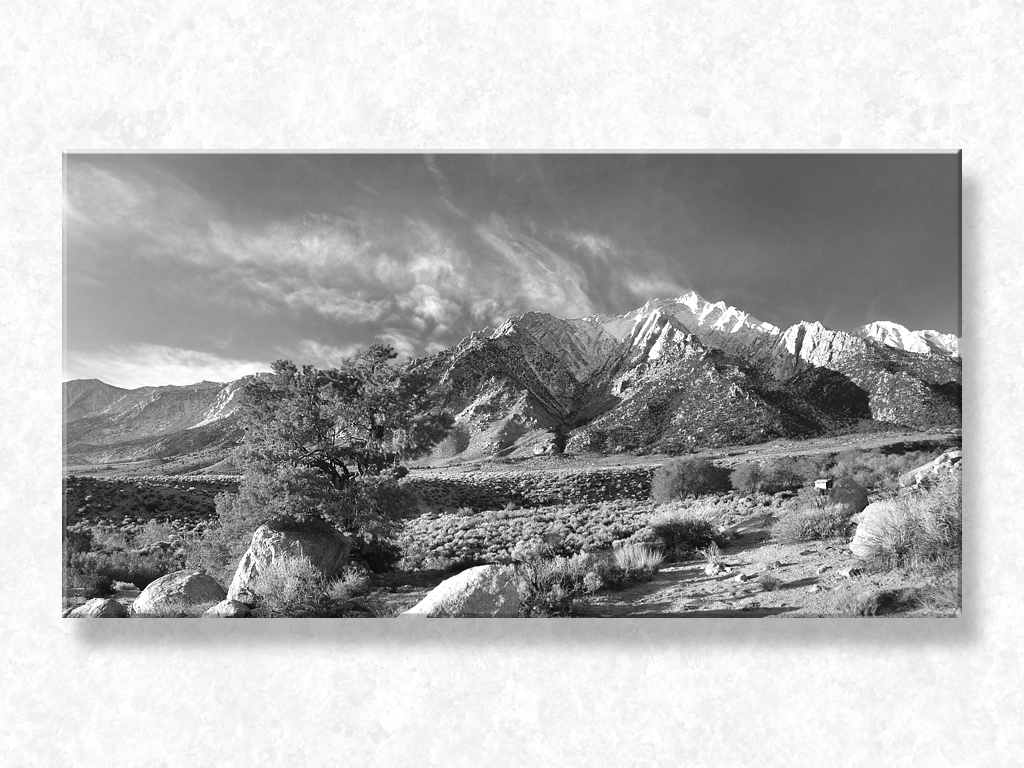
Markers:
<point>555,587</point>
<point>681,532</point>
<point>813,523</point>
<point>921,530</point>
<point>679,478</point>
<point>774,475</point>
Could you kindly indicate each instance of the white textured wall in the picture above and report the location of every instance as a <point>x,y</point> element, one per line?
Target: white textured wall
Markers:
<point>567,75</point>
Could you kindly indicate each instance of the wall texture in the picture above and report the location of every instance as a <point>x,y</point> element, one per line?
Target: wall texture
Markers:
<point>504,75</point>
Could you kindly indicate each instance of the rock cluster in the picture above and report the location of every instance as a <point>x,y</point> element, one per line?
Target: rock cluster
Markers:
<point>327,550</point>
<point>228,609</point>
<point>178,588</point>
<point>99,608</point>
<point>945,464</point>
<point>871,524</point>
<point>486,591</point>
<point>881,518</point>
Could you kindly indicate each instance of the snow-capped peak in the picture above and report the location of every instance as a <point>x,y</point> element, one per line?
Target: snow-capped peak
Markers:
<point>899,336</point>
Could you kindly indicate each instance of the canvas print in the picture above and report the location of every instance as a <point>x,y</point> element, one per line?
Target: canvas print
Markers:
<point>366,385</point>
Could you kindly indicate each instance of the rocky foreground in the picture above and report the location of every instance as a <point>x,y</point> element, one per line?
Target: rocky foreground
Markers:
<point>757,566</point>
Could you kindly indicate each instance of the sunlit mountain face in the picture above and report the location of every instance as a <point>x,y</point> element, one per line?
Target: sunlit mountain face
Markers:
<point>668,377</point>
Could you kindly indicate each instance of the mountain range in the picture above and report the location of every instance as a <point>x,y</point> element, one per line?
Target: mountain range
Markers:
<point>671,376</point>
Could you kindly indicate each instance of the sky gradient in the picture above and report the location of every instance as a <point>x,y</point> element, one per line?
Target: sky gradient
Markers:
<point>180,268</point>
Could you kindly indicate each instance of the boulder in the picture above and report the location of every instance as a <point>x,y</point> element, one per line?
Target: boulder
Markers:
<point>926,474</point>
<point>178,588</point>
<point>99,608</point>
<point>848,494</point>
<point>326,548</point>
<point>484,591</point>
<point>871,523</point>
<point>228,609</point>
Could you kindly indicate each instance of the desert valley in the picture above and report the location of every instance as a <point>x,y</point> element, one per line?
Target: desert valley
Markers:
<point>683,459</point>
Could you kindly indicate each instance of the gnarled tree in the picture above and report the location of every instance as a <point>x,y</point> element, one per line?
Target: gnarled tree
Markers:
<point>327,445</point>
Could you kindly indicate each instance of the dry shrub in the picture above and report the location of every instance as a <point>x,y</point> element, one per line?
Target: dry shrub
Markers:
<point>746,478</point>
<point>448,541</point>
<point>942,596</point>
<point>876,469</point>
<point>773,475</point>
<point>920,531</point>
<point>352,583</point>
<point>81,571</point>
<point>557,586</point>
<point>95,572</point>
<point>109,539</point>
<point>178,609</point>
<point>291,587</point>
<point>769,582</point>
<point>221,545</point>
<point>812,522</point>
<point>712,555</point>
<point>682,532</point>
<point>880,602</point>
<point>153,532</point>
<point>367,509</point>
<point>679,478</point>
<point>632,563</point>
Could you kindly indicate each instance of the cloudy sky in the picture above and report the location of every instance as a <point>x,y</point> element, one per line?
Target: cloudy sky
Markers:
<point>180,268</point>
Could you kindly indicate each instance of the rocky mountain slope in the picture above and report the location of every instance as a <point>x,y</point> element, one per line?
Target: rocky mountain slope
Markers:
<point>103,423</point>
<point>673,375</point>
<point>678,374</point>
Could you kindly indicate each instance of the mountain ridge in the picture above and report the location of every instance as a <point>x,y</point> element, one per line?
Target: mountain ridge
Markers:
<point>672,375</point>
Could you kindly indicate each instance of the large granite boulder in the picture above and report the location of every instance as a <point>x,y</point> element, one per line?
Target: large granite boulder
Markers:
<point>926,474</point>
<point>876,518</point>
<point>99,608</point>
<point>848,494</point>
<point>484,591</point>
<point>326,548</point>
<point>228,609</point>
<point>181,588</point>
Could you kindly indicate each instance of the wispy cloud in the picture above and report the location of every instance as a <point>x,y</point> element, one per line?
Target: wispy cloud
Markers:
<point>309,352</point>
<point>650,287</point>
<point>444,186</point>
<point>543,278</point>
<point>261,253</point>
<point>404,343</point>
<point>591,243</point>
<point>139,365</point>
<point>413,277</point>
<point>335,303</point>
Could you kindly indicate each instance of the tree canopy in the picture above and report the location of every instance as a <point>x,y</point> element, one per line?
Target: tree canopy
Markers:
<point>312,434</point>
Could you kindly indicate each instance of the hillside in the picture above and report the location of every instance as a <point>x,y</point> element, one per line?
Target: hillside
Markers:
<point>104,424</point>
<point>677,375</point>
<point>672,376</point>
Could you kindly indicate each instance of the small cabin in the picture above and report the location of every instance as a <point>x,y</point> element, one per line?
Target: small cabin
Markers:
<point>823,485</point>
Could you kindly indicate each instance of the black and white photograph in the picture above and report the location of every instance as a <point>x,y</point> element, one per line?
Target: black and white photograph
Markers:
<point>555,320</point>
<point>604,385</point>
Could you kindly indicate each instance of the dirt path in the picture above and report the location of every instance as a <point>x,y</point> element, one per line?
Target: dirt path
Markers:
<point>812,581</point>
